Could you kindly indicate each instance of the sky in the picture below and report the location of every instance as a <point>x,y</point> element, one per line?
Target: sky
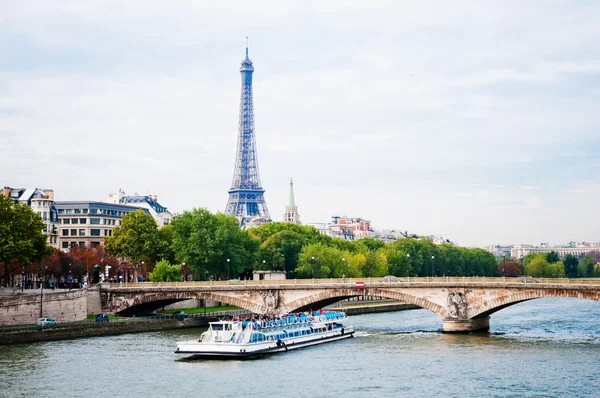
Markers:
<point>474,120</point>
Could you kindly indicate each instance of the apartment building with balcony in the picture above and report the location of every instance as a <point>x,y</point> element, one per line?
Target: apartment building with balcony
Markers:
<point>42,202</point>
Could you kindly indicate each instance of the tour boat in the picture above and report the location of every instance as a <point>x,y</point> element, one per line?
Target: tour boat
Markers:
<point>254,338</point>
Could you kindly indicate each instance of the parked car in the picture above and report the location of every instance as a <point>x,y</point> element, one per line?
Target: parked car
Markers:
<point>102,318</point>
<point>528,279</point>
<point>46,322</point>
<point>179,315</point>
<point>391,278</point>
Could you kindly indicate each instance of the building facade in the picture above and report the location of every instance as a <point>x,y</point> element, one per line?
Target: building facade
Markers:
<point>41,201</point>
<point>519,251</point>
<point>87,223</point>
<point>148,202</point>
<point>291,210</point>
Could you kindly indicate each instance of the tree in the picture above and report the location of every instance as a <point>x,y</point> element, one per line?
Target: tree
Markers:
<point>586,268</point>
<point>136,239</point>
<point>281,250</point>
<point>319,261</point>
<point>571,262</point>
<point>510,267</point>
<point>165,272</point>
<point>398,262</point>
<point>205,241</point>
<point>552,257</point>
<point>84,259</point>
<point>21,237</point>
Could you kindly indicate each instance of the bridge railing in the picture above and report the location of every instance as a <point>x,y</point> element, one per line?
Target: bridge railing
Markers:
<point>287,282</point>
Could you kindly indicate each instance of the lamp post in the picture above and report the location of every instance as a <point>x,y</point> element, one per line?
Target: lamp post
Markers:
<point>183,268</point>
<point>344,266</point>
<point>432,258</point>
<point>228,260</point>
<point>313,266</point>
<point>283,258</point>
<point>42,292</point>
<point>70,278</point>
<point>141,272</point>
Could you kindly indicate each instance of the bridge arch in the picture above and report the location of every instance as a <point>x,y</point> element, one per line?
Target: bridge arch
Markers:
<point>489,307</point>
<point>327,297</point>
<point>161,299</point>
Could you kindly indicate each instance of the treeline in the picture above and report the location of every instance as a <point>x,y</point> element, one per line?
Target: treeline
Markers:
<point>212,246</point>
<point>550,265</point>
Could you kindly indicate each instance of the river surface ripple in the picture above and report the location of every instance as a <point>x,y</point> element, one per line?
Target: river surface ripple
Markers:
<point>542,348</point>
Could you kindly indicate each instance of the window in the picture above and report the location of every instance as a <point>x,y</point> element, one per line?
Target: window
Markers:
<point>73,244</point>
<point>93,211</point>
<point>69,211</point>
<point>65,232</point>
<point>106,232</point>
<point>65,245</point>
<point>94,221</point>
<point>74,220</point>
<point>66,221</point>
<point>119,222</point>
<point>95,232</point>
<point>73,232</point>
<point>61,211</point>
<point>110,232</point>
<point>81,233</point>
<point>81,244</point>
<point>85,211</point>
<point>83,221</point>
<point>77,211</point>
<point>45,216</point>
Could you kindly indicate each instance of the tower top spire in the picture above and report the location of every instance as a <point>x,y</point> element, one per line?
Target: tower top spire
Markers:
<point>246,46</point>
<point>291,201</point>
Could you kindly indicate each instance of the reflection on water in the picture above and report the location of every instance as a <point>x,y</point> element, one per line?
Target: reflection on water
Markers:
<point>547,347</point>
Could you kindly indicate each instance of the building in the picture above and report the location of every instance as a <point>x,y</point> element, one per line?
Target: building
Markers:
<point>579,250</point>
<point>291,210</point>
<point>149,202</point>
<point>349,228</point>
<point>87,223</point>
<point>246,196</point>
<point>41,201</point>
<point>269,275</point>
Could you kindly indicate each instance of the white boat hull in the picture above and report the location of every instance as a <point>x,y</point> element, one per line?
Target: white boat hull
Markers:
<point>232,350</point>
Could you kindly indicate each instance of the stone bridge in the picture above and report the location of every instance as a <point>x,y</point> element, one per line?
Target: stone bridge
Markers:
<point>465,304</point>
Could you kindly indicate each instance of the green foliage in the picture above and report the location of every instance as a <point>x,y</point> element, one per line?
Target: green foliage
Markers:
<point>319,261</point>
<point>585,269</point>
<point>397,261</point>
<point>205,241</point>
<point>136,238</point>
<point>538,266</point>
<point>165,272</point>
<point>571,262</point>
<point>552,257</point>
<point>21,237</point>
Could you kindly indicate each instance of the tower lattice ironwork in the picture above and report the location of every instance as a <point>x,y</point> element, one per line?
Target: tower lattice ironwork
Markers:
<point>246,196</point>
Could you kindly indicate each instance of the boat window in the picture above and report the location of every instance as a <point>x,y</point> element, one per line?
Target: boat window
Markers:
<point>216,326</point>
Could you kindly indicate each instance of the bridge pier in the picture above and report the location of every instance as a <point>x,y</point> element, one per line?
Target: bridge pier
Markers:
<point>466,326</point>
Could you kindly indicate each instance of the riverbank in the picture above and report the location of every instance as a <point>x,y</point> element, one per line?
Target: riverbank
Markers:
<point>371,307</point>
<point>94,329</point>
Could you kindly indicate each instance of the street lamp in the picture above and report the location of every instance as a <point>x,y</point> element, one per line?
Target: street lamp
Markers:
<point>228,260</point>
<point>432,258</point>
<point>344,266</point>
<point>70,278</point>
<point>313,267</point>
<point>42,291</point>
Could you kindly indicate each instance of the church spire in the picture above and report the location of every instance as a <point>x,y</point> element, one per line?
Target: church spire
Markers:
<point>292,201</point>
<point>291,211</point>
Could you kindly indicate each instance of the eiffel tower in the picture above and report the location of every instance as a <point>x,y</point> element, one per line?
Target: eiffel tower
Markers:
<point>246,196</point>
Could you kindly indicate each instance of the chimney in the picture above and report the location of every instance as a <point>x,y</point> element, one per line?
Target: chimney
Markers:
<point>6,192</point>
<point>50,193</point>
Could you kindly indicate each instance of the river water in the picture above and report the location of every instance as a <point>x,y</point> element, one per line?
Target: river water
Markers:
<point>542,348</point>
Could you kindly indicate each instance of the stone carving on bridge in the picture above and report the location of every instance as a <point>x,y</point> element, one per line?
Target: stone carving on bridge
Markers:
<point>457,305</point>
<point>271,299</point>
